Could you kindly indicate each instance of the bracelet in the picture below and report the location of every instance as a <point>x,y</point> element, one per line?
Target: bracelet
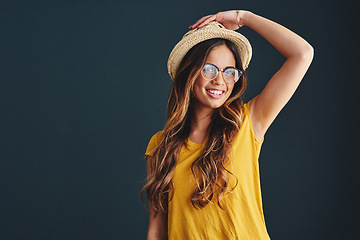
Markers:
<point>237,19</point>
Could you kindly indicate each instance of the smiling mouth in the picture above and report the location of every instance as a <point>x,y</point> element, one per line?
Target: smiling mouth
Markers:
<point>215,93</point>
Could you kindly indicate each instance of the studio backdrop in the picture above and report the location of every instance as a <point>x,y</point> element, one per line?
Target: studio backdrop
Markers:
<point>84,86</point>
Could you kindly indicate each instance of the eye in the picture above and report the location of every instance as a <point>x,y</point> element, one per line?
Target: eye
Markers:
<point>209,69</point>
<point>230,71</point>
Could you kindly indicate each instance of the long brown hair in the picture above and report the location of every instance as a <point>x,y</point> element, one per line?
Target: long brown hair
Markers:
<point>209,169</point>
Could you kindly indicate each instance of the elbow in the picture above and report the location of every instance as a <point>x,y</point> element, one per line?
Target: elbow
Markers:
<point>310,52</point>
<point>307,53</point>
<point>303,53</point>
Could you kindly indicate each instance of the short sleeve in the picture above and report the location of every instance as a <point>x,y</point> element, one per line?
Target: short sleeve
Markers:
<point>154,142</point>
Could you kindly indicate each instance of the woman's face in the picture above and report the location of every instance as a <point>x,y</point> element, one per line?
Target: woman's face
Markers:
<point>214,93</point>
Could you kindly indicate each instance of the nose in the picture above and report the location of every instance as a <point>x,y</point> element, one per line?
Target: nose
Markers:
<point>219,80</point>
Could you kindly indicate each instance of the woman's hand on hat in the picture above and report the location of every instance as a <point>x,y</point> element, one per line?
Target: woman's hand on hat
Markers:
<point>230,19</point>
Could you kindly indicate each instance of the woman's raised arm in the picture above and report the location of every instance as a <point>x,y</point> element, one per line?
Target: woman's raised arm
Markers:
<point>298,53</point>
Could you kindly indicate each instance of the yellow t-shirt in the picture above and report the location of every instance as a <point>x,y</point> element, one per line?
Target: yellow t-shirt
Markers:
<point>243,215</point>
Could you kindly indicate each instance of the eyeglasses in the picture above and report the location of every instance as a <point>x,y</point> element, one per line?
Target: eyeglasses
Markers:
<point>230,74</point>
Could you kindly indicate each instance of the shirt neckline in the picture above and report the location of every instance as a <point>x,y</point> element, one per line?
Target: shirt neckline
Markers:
<point>193,144</point>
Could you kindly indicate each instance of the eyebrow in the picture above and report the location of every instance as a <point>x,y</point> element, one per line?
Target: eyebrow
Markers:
<point>219,67</point>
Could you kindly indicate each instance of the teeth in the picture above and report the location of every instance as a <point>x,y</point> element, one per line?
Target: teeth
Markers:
<point>216,92</point>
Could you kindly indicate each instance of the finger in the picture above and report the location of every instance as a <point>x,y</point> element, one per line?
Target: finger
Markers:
<point>206,21</point>
<point>198,22</point>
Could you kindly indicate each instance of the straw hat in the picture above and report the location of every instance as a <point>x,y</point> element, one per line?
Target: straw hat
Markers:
<point>210,31</point>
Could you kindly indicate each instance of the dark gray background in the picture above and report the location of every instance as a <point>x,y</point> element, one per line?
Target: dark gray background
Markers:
<point>84,85</point>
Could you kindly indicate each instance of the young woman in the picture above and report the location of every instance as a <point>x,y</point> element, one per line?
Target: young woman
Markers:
<point>203,174</point>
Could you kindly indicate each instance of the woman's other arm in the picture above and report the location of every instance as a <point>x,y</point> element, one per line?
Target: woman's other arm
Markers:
<point>157,229</point>
<point>157,225</point>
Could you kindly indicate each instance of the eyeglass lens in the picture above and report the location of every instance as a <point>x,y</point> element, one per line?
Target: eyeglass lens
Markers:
<point>231,75</point>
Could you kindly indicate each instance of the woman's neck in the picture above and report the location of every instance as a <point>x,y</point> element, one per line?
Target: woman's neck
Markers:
<point>200,121</point>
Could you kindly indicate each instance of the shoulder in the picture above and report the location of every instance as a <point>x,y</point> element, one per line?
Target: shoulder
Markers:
<point>259,134</point>
<point>157,137</point>
<point>246,108</point>
<point>247,127</point>
<point>154,142</point>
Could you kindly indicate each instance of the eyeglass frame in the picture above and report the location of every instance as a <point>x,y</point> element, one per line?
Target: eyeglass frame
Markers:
<point>221,70</point>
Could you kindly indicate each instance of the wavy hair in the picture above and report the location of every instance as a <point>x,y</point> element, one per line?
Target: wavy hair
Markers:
<point>209,169</point>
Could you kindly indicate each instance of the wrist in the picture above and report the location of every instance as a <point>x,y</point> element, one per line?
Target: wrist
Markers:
<point>243,17</point>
